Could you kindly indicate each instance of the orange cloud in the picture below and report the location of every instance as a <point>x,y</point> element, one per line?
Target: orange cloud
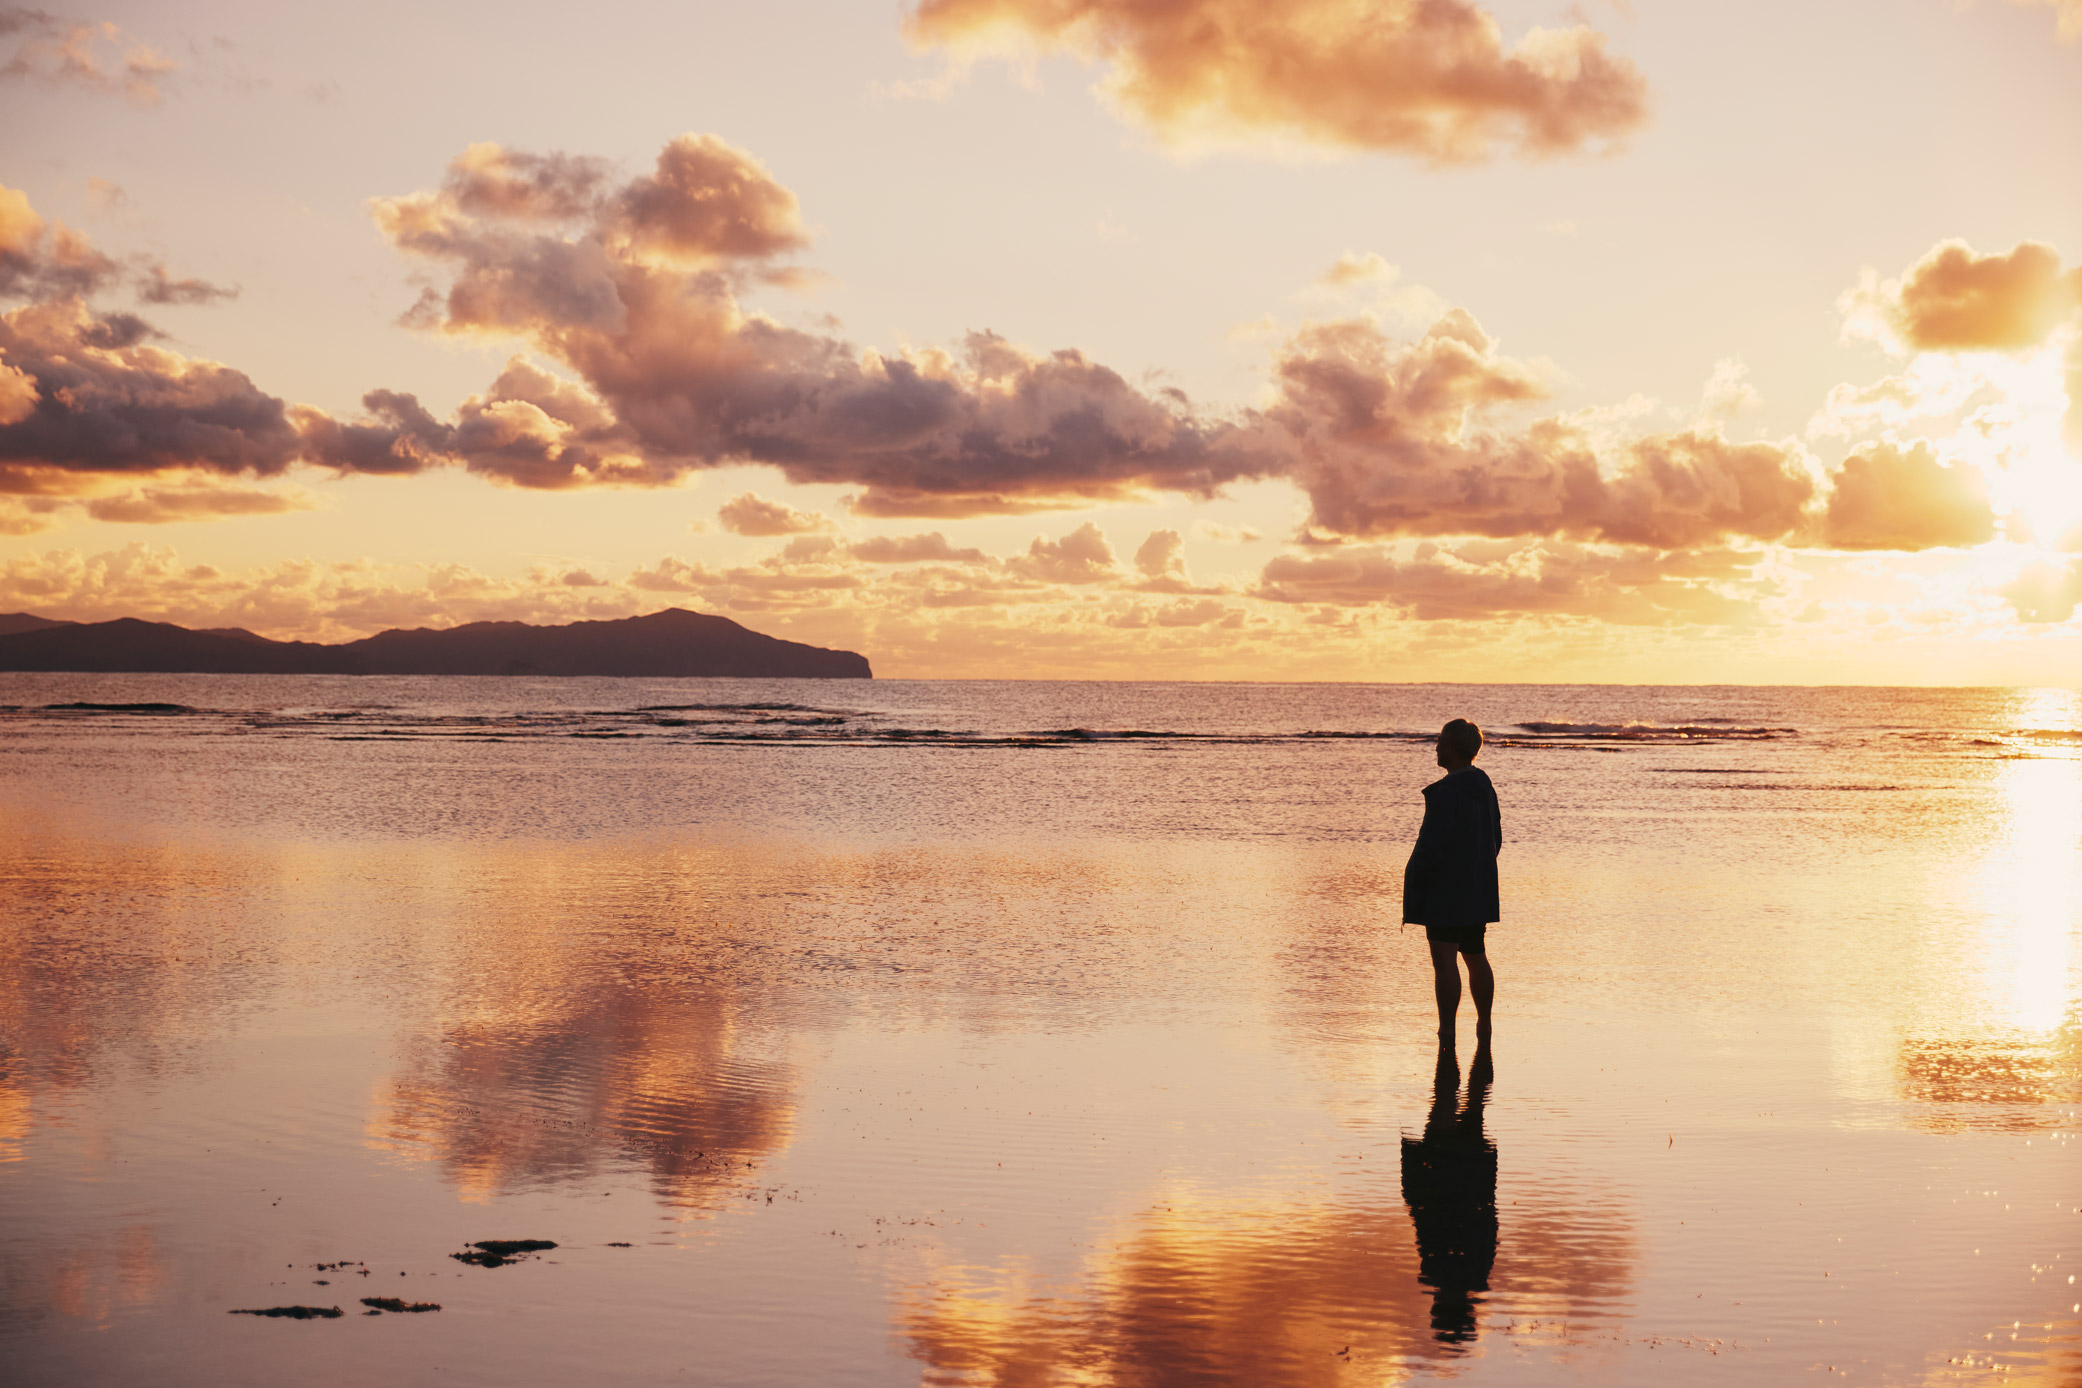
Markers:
<point>1386,442</point>
<point>708,201</point>
<point>1080,557</point>
<point>1162,555</point>
<point>488,180</point>
<point>1885,498</point>
<point>33,264</point>
<point>110,402</point>
<point>1953,300</point>
<point>17,395</point>
<point>1432,78</point>
<point>86,393</point>
<point>633,289</point>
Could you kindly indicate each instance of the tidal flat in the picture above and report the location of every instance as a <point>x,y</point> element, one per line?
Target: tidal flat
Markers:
<point>1025,1034</point>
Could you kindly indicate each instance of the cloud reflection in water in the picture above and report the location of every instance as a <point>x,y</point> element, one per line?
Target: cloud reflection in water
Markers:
<point>625,1079</point>
<point>1205,1288</point>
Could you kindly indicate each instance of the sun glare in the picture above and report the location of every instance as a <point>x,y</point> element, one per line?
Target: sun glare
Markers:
<point>2032,476</point>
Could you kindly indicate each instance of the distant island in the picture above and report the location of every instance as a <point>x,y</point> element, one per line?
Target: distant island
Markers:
<point>674,642</point>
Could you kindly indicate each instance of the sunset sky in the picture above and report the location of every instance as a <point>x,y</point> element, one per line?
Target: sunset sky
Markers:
<point>1197,339</point>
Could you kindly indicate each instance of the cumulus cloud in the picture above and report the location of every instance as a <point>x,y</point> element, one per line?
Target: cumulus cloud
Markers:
<point>1984,337</point>
<point>707,201</point>
<point>109,401</point>
<point>1388,439</point>
<point>1082,556</point>
<point>88,394</point>
<point>1889,498</point>
<point>633,289</point>
<point>1956,300</point>
<point>1161,563</point>
<point>1431,78</point>
<point>37,261</point>
<point>752,514</point>
<point>1162,555</point>
<point>489,180</point>
<point>96,56</point>
<point>17,394</point>
<point>629,290</point>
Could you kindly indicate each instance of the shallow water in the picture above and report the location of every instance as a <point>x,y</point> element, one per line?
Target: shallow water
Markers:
<point>940,1033</point>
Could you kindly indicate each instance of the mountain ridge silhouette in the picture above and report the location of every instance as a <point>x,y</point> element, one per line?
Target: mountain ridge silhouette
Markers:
<point>671,642</point>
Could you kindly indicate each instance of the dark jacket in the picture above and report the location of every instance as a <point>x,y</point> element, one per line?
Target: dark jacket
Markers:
<point>1451,879</point>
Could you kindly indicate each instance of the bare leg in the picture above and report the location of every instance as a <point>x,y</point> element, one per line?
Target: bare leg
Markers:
<point>1445,978</point>
<point>1481,983</point>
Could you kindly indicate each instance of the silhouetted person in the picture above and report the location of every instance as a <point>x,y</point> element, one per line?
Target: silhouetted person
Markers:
<point>1449,887</point>
<point>1449,1183</point>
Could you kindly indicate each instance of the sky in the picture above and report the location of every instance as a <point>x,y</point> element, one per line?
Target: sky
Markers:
<point>1652,342</point>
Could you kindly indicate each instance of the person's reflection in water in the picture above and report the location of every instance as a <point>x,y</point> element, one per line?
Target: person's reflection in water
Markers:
<point>1449,1183</point>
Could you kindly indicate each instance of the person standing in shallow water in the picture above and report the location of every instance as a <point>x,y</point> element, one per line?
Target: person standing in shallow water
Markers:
<point>1449,887</point>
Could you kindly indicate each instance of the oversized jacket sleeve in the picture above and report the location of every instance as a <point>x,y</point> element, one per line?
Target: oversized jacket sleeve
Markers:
<point>1422,869</point>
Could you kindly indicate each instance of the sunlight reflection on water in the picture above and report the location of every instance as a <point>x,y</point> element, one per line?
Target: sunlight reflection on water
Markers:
<point>2029,883</point>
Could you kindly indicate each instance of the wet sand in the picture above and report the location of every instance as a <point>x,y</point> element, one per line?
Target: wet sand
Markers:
<point>1017,1064</point>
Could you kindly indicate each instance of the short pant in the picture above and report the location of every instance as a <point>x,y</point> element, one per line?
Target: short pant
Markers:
<point>1468,937</point>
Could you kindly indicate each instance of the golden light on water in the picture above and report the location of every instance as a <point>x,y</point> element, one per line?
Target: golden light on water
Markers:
<point>2029,881</point>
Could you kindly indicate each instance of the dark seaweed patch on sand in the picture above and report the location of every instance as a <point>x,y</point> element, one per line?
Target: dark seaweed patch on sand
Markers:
<point>294,1313</point>
<point>497,1253</point>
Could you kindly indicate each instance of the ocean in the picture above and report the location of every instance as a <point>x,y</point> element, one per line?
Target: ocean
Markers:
<point>891,1032</point>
